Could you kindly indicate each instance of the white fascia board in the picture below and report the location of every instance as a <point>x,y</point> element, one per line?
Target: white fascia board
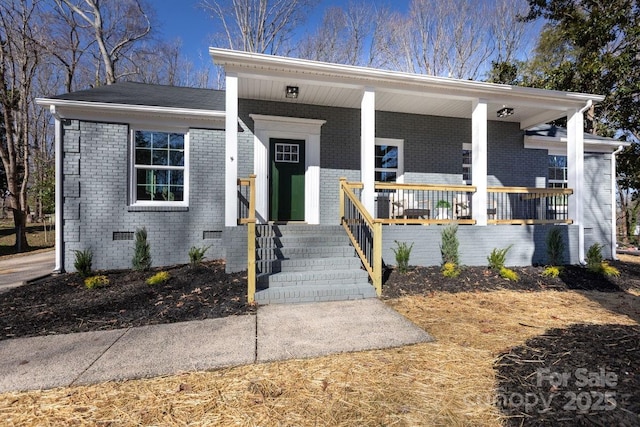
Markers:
<point>559,145</point>
<point>102,111</point>
<point>260,64</point>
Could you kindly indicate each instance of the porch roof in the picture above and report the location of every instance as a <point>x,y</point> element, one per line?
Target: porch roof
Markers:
<point>266,77</point>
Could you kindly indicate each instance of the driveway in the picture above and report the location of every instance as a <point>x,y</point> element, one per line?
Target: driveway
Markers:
<point>18,270</point>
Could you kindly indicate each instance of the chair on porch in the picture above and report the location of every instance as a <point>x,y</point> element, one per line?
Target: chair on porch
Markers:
<point>462,207</point>
<point>404,205</point>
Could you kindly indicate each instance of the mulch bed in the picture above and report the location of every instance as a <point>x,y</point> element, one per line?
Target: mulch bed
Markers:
<point>62,304</point>
<point>423,280</point>
<point>585,375</point>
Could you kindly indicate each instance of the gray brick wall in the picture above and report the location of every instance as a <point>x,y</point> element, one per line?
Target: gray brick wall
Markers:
<point>96,198</point>
<point>476,243</point>
<point>96,186</point>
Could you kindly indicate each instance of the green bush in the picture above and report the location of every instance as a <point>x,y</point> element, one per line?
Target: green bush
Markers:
<point>509,274</point>
<point>609,270</point>
<point>96,282</point>
<point>450,269</point>
<point>403,253</point>
<point>83,262</point>
<point>196,255</point>
<point>497,258</point>
<point>555,247</point>
<point>158,278</point>
<point>594,258</point>
<point>450,244</point>
<point>142,253</point>
<point>551,271</point>
<point>596,264</point>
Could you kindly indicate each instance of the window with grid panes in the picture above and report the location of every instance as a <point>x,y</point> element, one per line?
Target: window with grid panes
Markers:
<point>159,167</point>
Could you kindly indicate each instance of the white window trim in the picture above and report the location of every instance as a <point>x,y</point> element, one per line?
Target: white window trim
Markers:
<point>400,169</point>
<point>467,146</point>
<point>132,167</point>
<point>556,181</point>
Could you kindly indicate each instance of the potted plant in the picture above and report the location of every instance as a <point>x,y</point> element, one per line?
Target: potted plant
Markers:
<point>443,207</point>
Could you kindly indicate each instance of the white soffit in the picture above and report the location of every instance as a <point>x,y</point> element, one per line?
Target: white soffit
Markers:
<point>265,77</point>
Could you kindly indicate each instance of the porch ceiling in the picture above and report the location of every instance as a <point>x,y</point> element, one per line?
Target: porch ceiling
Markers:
<point>412,102</point>
<point>265,77</point>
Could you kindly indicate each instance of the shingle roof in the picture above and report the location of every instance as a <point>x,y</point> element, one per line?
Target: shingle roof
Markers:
<point>560,132</point>
<point>153,95</point>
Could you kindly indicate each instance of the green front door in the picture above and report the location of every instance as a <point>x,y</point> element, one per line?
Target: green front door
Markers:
<point>286,185</point>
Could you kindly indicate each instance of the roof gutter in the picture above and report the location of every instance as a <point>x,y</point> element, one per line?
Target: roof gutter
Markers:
<point>587,106</point>
<point>128,108</point>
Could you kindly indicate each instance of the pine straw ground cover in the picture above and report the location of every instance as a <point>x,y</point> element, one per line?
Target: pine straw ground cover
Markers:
<point>451,382</point>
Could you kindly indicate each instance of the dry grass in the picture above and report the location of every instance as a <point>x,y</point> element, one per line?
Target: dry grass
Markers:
<point>447,383</point>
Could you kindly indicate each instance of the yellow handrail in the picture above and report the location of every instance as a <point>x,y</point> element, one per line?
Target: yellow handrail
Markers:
<point>251,236</point>
<point>375,270</point>
<point>424,187</point>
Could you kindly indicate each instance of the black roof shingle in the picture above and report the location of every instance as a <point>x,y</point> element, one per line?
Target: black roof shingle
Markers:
<point>130,93</point>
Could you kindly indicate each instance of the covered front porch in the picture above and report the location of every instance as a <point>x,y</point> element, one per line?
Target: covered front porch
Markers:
<point>431,121</point>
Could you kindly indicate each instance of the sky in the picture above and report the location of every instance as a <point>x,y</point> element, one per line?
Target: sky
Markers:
<point>185,20</point>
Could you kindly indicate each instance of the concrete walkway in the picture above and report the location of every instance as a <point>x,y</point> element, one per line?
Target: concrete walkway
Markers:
<point>276,332</point>
<point>18,270</point>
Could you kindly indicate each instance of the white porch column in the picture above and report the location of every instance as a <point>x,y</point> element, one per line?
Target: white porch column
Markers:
<point>575,173</point>
<point>479,160</point>
<point>367,148</point>
<point>59,197</point>
<point>231,151</point>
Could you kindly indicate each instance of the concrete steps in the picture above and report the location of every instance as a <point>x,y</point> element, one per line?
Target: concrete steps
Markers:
<point>309,263</point>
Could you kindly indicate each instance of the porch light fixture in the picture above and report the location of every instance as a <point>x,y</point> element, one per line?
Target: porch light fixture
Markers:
<point>504,112</point>
<point>292,92</point>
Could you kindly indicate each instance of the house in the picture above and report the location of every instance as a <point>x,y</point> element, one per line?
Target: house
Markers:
<point>416,151</point>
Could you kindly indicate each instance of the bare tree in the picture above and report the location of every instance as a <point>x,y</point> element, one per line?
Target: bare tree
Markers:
<point>19,59</point>
<point>350,35</point>
<point>508,31</point>
<point>456,38</point>
<point>261,26</point>
<point>116,26</point>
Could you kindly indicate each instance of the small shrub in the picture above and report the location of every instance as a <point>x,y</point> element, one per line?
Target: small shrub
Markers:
<point>594,258</point>
<point>403,253</point>
<point>443,204</point>
<point>551,271</point>
<point>498,258</point>
<point>96,282</point>
<point>450,270</point>
<point>142,253</point>
<point>83,262</point>
<point>449,245</point>
<point>555,247</point>
<point>609,270</point>
<point>158,278</point>
<point>196,255</point>
<point>507,273</point>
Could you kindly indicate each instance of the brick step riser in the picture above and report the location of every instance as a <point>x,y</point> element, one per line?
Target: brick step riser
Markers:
<point>305,253</point>
<point>314,264</point>
<point>302,244</point>
<point>329,278</point>
<point>312,294</point>
<point>303,230</point>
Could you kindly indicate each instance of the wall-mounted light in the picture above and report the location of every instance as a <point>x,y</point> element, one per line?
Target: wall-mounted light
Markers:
<point>292,92</point>
<point>504,112</point>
